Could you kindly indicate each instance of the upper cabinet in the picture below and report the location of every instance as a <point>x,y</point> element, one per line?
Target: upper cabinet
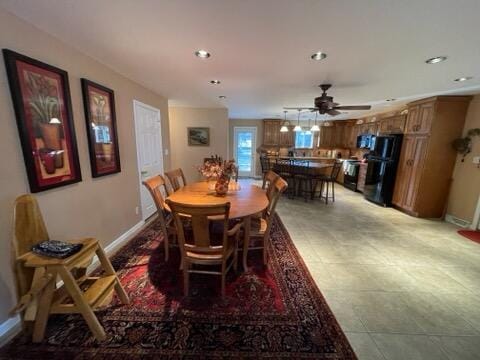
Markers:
<point>273,137</point>
<point>392,124</point>
<point>271,132</point>
<point>420,117</point>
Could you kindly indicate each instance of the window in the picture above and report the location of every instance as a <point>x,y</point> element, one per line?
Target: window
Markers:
<point>304,139</point>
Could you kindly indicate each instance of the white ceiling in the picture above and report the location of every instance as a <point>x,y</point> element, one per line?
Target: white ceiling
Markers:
<point>261,48</point>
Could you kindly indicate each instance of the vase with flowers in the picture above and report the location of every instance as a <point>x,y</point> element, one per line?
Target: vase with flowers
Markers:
<point>220,172</point>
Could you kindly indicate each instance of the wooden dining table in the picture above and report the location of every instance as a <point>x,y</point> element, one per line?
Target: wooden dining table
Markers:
<point>245,202</point>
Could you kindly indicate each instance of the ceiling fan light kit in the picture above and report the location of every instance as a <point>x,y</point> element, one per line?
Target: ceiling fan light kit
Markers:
<point>324,104</point>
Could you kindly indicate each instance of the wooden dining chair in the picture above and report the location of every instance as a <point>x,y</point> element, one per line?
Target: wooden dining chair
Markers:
<point>261,227</point>
<point>200,250</point>
<point>286,170</point>
<point>270,178</point>
<point>176,178</point>
<point>266,166</point>
<point>158,189</point>
<point>36,275</point>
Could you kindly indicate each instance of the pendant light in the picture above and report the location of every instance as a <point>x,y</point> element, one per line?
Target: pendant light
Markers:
<point>315,127</point>
<point>284,127</point>
<point>298,127</point>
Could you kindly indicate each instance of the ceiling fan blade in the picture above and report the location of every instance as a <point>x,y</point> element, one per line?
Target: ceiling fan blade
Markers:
<point>333,112</point>
<point>353,107</point>
<point>299,108</point>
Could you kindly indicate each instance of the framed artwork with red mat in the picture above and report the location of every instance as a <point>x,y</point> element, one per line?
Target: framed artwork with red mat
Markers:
<point>43,110</point>
<point>274,311</point>
<point>99,106</point>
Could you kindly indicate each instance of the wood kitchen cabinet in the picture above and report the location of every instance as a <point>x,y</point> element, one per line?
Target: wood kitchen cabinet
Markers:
<point>271,132</point>
<point>392,125</point>
<point>427,158</point>
<point>420,117</point>
<point>286,139</point>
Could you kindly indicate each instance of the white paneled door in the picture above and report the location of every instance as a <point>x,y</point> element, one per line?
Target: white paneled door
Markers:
<point>148,130</point>
<point>245,139</point>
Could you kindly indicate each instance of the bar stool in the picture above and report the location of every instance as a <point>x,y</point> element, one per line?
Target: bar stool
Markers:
<point>330,179</point>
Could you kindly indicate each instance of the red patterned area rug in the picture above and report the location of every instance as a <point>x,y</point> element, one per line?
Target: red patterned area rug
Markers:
<point>268,312</point>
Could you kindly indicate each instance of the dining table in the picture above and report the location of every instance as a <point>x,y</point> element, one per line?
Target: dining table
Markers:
<point>246,200</point>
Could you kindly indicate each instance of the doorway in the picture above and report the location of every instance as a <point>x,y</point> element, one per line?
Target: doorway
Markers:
<point>148,134</point>
<point>245,140</point>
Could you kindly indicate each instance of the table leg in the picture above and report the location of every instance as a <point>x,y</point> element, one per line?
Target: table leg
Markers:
<point>246,240</point>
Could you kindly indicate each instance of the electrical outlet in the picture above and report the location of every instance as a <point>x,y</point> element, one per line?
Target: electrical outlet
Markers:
<point>476,160</point>
<point>137,210</point>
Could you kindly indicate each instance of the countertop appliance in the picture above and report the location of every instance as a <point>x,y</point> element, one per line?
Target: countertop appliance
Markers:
<point>350,170</point>
<point>382,168</point>
<point>364,141</point>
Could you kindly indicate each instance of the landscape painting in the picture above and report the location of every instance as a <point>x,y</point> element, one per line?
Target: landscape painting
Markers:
<point>198,136</point>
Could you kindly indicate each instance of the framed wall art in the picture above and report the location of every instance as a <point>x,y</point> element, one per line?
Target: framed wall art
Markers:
<point>99,105</point>
<point>43,110</point>
<point>198,136</point>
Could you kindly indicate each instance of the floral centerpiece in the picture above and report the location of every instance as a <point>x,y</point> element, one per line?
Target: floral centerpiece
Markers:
<point>219,171</point>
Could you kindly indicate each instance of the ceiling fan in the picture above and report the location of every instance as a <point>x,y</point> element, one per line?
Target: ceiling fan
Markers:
<point>324,104</point>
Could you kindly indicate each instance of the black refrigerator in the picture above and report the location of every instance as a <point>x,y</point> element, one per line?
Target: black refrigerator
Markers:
<point>382,168</point>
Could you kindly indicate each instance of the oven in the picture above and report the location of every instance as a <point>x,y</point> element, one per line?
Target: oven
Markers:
<point>350,170</point>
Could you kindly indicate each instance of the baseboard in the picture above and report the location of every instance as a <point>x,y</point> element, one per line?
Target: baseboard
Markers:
<point>456,221</point>
<point>115,245</point>
<point>12,326</point>
<point>9,329</point>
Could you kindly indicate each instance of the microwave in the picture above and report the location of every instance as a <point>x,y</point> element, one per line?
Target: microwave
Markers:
<point>365,141</point>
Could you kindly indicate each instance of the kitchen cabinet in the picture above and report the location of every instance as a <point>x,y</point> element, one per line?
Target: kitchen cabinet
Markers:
<point>286,139</point>
<point>271,132</point>
<point>392,125</point>
<point>427,158</point>
<point>420,117</point>
<point>411,164</point>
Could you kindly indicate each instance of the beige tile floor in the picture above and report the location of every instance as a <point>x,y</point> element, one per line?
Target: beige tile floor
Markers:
<point>400,287</point>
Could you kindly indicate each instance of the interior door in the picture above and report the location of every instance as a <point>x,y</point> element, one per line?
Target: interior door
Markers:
<point>244,150</point>
<point>148,130</point>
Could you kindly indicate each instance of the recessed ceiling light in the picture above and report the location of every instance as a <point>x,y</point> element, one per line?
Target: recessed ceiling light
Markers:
<point>215,82</point>
<point>436,59</point>
<point>465,78</point>
<point>222,97</point>
<point>392,99</point>
<point>319,56</point>
<point>204,54</point>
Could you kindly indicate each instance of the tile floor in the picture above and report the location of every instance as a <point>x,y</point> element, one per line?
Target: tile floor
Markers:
<point>400,287</point>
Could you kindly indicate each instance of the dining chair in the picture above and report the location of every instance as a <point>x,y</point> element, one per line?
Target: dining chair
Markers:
<point>262,226</point>
<point>176,179</point>
<point>266,167</point>
<point>201,249</point>
<point>36,275</point>
<point>157,187</point>
<point>285,169</point>
<point>270,178</point>
<point>329,179</point>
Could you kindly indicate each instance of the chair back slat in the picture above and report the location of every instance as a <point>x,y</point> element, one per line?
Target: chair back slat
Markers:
<point>270,179</point>
<point>176,178</point>
<point>275,190</point>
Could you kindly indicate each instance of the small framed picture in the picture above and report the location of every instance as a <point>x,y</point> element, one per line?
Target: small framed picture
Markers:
<point>41,99</point>
<point>99,105</point>
<point>198,136</point>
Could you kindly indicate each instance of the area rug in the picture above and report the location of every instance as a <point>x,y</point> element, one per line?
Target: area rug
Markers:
<point>471,234</point>
<point>268,312</point>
